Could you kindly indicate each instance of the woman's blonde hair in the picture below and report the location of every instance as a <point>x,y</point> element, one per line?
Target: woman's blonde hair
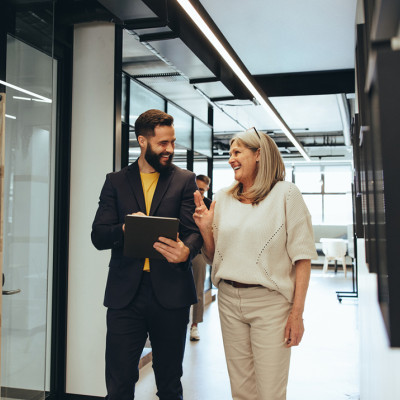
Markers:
<point>271,168</point>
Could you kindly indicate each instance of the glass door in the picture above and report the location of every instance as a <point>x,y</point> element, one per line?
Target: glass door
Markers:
<point>27,221</point>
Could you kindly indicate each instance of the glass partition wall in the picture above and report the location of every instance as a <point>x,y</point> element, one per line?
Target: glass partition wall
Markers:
<point>193,137</point>
<point>193,147</point>
<point>28,203</point>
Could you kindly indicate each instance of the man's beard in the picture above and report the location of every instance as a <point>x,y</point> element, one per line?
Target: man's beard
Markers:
<point>154,159</point>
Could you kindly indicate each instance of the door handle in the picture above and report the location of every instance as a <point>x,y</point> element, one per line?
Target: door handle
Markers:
<point>9,292</point>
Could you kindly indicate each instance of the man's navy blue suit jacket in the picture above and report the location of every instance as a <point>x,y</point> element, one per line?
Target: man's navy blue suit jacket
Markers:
<point>122,194</point>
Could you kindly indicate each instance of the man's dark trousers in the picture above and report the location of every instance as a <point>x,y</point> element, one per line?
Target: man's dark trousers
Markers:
<point>126,336</point>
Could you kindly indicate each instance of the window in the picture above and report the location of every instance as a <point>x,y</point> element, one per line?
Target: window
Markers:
<point>308,179</point>
<point>326,190</point>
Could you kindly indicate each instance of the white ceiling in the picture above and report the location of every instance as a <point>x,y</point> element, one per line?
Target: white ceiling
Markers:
<point>278,36</point>
<point>270,37</point>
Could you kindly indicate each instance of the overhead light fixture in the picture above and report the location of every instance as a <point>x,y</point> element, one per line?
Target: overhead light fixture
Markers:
<point>201,24</point>
<point>38,96</point>
<point>10,116</point>
<point>22,98</point>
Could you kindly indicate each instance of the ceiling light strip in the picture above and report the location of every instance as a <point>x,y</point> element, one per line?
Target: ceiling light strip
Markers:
<point>44,99</point>
<point>198,20</point>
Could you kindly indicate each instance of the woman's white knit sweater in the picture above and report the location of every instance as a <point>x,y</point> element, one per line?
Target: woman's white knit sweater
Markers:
<point>259,244</point>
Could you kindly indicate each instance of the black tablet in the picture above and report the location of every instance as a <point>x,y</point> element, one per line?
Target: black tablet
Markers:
<point>141,232</point>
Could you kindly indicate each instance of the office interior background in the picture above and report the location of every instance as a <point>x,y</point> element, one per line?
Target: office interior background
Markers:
<point>320,77</point>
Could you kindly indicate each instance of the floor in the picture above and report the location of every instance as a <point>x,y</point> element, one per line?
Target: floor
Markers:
<point>324,366</point>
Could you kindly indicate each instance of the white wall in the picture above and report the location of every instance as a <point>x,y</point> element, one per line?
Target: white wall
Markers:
<point>91,159</point>
<point>379,364</point>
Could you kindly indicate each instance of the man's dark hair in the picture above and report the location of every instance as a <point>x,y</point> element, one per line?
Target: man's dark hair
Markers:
<point>150,119</point>
<point>204,179</point>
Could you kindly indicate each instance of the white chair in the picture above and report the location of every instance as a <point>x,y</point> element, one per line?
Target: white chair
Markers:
<point>334,250</point>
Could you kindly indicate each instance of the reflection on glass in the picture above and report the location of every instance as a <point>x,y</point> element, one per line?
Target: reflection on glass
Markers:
<point>182,125</point>
<point>141,100</point>
<point>27,220</point>
<point>124,98</point>
<point>202,138</point>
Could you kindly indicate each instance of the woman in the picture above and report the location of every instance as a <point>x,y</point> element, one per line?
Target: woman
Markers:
<point>258,237</point>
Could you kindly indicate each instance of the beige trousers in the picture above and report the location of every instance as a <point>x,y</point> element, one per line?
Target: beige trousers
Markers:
<point>199,275</point>
<point>253,322</point>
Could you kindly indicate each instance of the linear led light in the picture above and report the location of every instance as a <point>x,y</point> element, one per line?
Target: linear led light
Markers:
<point>44,99</point>
<point>198,20</point>
<point>10,116</point>
<point>22,98</point>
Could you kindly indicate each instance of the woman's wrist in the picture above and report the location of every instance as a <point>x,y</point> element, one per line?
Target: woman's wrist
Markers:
<point>296,312</point>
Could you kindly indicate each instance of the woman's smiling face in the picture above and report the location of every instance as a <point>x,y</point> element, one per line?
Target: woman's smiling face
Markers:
<point>244,163</point>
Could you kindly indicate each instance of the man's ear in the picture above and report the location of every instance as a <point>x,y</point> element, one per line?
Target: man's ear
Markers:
<point>142,141</point>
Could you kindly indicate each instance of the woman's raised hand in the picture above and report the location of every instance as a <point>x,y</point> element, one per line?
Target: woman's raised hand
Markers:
<point>203,217</point>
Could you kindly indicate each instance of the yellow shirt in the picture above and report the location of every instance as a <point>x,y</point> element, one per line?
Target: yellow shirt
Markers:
<point>149,184</point>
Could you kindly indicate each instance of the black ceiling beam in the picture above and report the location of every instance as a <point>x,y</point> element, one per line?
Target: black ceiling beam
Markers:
<point>82,11</point>
<point>195,81</point>
<point>307,83</point>
<point>151,37</point>
<point>199,45</point>
<point>145,23</point>
<point>222,98</point>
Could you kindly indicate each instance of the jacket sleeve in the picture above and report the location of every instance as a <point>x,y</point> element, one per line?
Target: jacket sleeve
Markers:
<point>107,230</point>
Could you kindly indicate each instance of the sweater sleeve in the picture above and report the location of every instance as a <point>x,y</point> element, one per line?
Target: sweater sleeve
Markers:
<point>300,237</point>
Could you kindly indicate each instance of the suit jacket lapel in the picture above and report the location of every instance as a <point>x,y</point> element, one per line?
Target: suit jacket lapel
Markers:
<point>162,186</point>
<point>136,185</point>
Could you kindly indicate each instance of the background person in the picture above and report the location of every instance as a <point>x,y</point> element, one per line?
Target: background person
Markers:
<point>199,267</point>
<point>148,297</point>
<point>259,237</point>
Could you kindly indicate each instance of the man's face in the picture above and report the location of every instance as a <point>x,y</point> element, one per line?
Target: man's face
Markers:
<point>160,148</point>
<point>203,187</point>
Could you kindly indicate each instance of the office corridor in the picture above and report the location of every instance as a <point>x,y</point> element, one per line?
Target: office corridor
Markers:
<point>324,366</point>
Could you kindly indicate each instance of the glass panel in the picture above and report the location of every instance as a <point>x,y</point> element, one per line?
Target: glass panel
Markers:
<point>289,173</point>
<point>200,167</point>
<point>338,209</point>
<point>28,194</point>
<point>308,179</point>
<point>182,125</point>
<point>222,175</point>
<point>141,100</point>
<point>134,149</point>
<point>314,205</point>
<point>124,98</point>
<point>338,179</point>
<point>180,157</point>
<point>202,138</point>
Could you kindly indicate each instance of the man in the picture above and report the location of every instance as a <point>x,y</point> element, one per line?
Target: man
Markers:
<point>148,297</point>
<point>199,268</point>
